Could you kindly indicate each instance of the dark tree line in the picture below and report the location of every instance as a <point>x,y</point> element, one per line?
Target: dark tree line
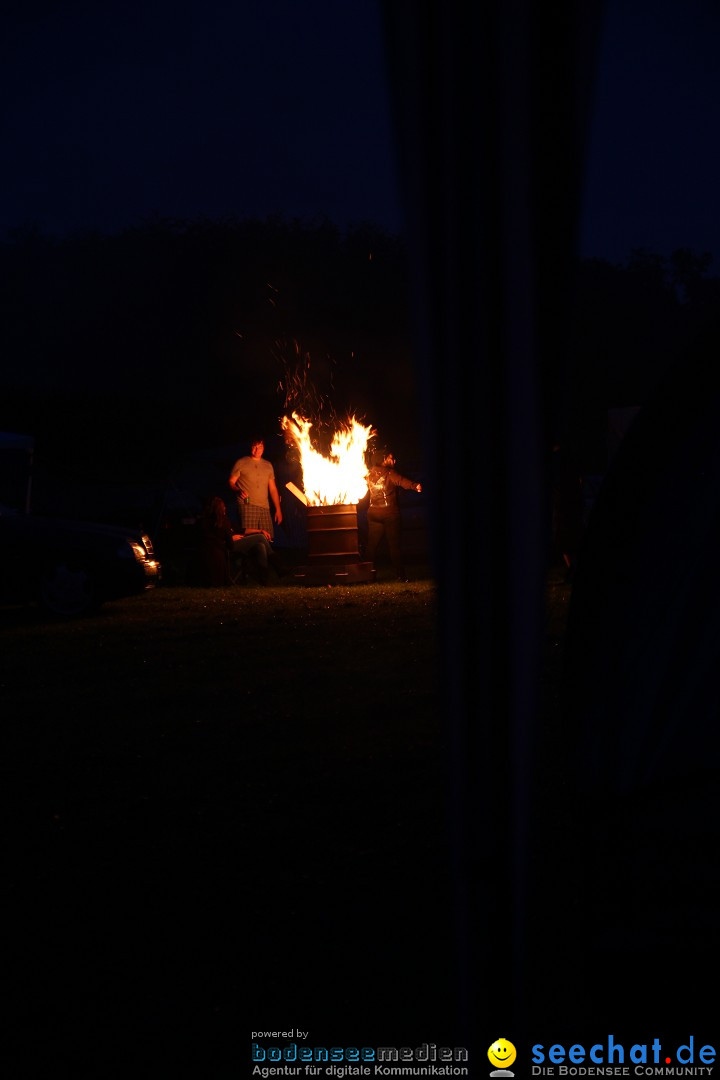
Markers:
<point>632,320</point>
<point>176,335</point>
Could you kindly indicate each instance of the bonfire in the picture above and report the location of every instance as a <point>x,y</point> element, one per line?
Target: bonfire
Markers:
<point>338,478</point>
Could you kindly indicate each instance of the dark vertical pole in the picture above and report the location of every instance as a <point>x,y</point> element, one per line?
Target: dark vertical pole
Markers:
<point>489,106</point>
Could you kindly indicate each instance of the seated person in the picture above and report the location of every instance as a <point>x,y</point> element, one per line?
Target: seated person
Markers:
<point>253,547</point>
<point>209,565</point>
<point>217,543</point>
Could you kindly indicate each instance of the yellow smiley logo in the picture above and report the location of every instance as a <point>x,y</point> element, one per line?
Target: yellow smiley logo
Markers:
<point>502,1054</point>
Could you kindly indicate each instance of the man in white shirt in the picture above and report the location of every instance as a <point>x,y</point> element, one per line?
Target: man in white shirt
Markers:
<point>253,480</point>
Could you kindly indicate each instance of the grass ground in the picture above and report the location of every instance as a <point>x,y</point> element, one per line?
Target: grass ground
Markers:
<point>227,811</point>
<point>221,791</point>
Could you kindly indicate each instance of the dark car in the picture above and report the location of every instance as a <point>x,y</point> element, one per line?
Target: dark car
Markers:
<point>71,567</point>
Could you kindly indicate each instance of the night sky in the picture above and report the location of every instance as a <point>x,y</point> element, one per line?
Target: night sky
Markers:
<point>653,166</point>
<point>115,112</point>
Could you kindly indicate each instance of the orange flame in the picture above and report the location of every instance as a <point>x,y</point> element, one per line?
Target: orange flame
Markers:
<point>341,478</point>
